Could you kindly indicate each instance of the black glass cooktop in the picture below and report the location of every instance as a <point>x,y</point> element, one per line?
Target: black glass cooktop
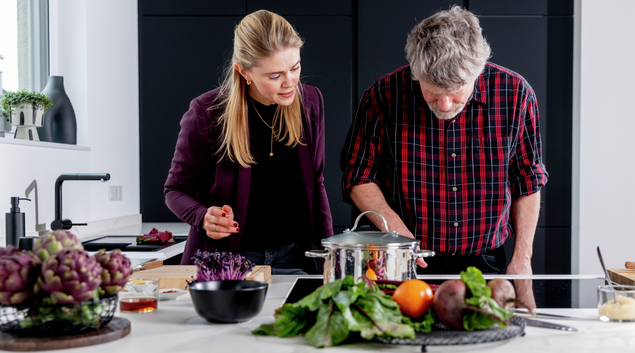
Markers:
<point>125,243</point>
<point>548,293</point>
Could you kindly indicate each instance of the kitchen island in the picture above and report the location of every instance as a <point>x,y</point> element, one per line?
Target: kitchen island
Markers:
<point>175,328</point>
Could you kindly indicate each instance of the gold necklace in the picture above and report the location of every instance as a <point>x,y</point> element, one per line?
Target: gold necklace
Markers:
<point>263,120</point>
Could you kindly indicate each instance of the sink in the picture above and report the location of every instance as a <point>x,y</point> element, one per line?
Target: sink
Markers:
<point>126,243</point>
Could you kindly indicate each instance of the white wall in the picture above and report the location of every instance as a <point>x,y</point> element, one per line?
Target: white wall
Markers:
<point>94,47</point>
<point>604,165</point>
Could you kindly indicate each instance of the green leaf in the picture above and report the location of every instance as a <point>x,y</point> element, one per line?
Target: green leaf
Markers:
<point>330,328</point>
<point>481,297</point>
<point>473,278</point>
<point>425,323</point>
<point>292,321</point>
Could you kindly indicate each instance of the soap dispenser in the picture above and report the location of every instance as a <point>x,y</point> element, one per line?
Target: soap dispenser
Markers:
<point>15,222</point>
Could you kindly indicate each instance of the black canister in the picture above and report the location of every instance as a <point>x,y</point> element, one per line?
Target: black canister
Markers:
<point>15,222</point>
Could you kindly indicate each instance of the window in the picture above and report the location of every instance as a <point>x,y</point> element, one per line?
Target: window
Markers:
<point>24,53</point>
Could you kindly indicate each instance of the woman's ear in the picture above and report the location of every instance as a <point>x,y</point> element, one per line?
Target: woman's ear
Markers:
<point>241,70</point>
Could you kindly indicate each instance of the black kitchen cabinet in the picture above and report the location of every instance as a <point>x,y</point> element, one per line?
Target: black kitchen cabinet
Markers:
<point>182,55</point>
<point>348,46</point>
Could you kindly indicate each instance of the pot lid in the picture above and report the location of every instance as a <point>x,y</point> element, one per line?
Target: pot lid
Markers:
<point>351,238</point>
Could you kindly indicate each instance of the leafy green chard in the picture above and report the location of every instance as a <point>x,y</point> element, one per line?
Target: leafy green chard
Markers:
<point>333,312</point>
<point>482,298</point>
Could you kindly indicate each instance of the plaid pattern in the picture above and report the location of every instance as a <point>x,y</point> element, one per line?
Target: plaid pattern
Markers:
<point>451,181</point>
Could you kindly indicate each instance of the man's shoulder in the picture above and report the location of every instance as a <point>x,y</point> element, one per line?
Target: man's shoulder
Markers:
<point>400,78</point>
<point>401,74</point>
<point>494,72</point>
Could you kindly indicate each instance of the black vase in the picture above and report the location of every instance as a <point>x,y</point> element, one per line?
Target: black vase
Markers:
<point>60,124</point>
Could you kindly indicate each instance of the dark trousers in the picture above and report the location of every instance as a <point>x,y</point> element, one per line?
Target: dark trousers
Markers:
<point>285,260</point>
<point>491,262</point>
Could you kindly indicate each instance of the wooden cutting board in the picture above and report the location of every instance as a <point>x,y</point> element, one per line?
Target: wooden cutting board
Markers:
<point>622,276</point>
<point>176,276</point>
<point>116,329</point>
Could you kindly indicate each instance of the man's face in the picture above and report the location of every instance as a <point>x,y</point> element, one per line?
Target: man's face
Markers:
<point>446,104</point>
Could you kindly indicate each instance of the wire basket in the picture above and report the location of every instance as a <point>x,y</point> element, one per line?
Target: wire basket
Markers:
<point>56,320</point>
<point>442,336</point>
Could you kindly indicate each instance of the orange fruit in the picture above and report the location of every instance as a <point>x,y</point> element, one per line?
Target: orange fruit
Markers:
<point>370,274</point>
<point>414,297</point>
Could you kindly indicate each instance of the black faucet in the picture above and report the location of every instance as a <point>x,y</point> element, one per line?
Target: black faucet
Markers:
<point>60,223</point>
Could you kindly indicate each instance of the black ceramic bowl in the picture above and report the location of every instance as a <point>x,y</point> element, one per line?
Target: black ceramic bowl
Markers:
<point>228,301</point>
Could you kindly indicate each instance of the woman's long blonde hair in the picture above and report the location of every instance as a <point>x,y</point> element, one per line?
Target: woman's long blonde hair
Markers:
<point>258,35</point>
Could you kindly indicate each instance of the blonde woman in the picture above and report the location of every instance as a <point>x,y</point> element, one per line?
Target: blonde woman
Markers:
<point>247,173</point>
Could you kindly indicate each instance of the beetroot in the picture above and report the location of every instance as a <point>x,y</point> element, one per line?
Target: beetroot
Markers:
<point>503,292</point>
<point>449,304</point>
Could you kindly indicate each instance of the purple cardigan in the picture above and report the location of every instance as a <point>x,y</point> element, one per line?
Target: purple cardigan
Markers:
<point>198,179</point>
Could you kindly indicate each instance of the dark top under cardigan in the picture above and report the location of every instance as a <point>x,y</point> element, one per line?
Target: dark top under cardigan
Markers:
<point>198,179</point>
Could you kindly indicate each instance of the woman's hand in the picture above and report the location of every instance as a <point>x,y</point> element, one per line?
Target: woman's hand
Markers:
<point>219,222</point>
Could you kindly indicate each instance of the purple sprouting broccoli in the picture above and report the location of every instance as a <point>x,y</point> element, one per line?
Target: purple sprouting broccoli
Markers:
<point>220,266</point>
<point>71,276</point>
<point>19,272</point>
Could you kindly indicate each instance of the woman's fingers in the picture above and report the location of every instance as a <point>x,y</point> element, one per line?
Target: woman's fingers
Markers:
<point>219,222</point>
<point>228,210</point>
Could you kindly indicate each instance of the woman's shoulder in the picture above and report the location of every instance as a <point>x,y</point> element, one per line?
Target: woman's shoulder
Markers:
<point>310,94</point>
<point>208,98</point>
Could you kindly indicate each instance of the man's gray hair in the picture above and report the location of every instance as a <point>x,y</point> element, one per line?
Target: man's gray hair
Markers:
<point>447,49</point>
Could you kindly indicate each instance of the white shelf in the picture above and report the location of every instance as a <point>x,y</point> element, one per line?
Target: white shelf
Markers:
<point>9,140</point>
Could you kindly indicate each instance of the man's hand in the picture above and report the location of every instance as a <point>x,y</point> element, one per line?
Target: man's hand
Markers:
<point>524,287</point>
<point>368,197</point>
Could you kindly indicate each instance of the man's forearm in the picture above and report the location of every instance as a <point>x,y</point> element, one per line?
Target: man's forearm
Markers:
<point>368,197</point>
<point>525,212</point>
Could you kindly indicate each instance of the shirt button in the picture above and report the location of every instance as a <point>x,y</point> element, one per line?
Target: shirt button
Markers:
<point>454,188</point>
<point>456,224</point>
<point>453,155</point>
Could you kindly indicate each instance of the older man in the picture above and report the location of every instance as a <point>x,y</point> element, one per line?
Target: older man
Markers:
<point>448,150</point>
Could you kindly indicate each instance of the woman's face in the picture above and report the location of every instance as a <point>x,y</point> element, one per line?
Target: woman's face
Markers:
<point>275,78</point>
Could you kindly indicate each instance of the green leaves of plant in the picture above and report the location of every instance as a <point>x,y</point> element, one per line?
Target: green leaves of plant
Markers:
<point>332,312</point>
<point>14,99</point>
<point>482,298</point>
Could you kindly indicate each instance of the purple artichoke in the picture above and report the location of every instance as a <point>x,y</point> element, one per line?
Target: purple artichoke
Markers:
<point>115,271</point>
<point>8,250</point>
<point>54,242</point>
<point>71,276</point>
<point>19,272</point>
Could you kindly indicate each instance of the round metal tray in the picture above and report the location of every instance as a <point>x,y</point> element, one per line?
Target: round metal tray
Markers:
<point>442,336</point>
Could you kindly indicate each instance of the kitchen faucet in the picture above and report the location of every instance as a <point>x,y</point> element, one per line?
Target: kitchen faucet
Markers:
<point>60,223</point>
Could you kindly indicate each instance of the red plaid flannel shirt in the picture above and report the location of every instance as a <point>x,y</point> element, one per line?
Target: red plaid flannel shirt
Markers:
<point>451,181</point>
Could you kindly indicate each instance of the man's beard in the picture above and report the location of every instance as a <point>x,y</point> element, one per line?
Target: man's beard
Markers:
<point>456,109</point>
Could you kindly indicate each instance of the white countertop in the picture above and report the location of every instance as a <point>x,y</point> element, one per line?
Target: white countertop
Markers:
<point>175,328</point>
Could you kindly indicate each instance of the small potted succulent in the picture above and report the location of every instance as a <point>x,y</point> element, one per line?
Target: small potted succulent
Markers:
<point>58,288</point>
<point>26,111</point>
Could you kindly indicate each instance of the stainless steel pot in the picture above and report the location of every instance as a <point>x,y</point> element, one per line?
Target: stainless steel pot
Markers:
<point>388,256</point>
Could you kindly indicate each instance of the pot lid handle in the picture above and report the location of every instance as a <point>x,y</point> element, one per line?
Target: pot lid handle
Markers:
<point>365,212</point>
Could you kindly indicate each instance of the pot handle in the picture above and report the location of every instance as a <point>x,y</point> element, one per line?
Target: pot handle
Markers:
<point>365,212</point>
<point>423,253</point>
<point>318,253</point>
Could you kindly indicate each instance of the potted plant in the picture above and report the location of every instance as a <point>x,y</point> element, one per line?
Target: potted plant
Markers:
<point>26,111</point>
